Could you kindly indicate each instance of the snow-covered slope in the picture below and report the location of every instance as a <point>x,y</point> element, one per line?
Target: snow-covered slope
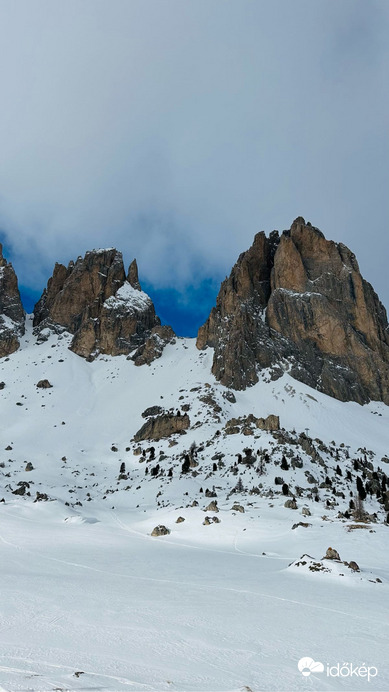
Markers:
<point>92,600</point>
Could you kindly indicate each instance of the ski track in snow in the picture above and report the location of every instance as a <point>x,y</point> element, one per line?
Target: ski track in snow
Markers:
<point>183,583</point>
<point>59,685</point>
<point>33,666</point>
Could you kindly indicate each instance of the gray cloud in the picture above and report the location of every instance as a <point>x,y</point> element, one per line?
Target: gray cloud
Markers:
<point>175,130</point>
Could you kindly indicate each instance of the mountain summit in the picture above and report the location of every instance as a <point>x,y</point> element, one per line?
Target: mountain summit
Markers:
<point>297,302</point>
<point>105,310</point>
<point>294,302</point>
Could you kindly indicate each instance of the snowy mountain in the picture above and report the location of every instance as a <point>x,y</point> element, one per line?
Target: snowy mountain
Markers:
<point>162,531</point>
<point>296,301</point>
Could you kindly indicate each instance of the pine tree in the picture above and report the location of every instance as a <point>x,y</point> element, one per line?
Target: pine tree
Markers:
<point>284,464</point>
<point>239,488</point>
<point>186,465</point>
<point>248,458</point>
<point>261,467</point>
<point>361,488</point>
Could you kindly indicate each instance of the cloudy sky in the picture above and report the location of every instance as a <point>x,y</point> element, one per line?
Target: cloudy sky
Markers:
<point>175,130</point>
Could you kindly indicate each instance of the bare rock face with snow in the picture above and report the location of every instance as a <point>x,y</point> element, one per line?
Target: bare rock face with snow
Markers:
<point>298,302</point>
<point>152,348</point>
<point>105,311</point>
<point>12,316</point>
<point>158,427</point>
<point>272,422</point>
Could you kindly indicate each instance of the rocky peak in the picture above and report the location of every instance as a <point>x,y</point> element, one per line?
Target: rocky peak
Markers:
<point>83,286</point>
<point>248,285</point>
<point>12,316</point>
<point>298,302</point>
<point>132,275</point>
<point>93,300</point>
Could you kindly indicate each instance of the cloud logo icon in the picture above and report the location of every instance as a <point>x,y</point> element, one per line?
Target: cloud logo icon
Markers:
<point>307,666</point>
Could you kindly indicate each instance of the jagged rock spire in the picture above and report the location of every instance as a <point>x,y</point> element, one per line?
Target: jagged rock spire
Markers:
<point>298,302</point>
<point>132,275</point>
<point>105,312</point>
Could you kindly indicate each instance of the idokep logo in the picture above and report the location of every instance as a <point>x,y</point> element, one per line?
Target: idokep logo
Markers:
<point>307,666</point>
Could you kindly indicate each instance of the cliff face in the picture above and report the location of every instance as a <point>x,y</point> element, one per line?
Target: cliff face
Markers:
<point>299,303</point>
<point>106,311</point>
<point>12,316</point>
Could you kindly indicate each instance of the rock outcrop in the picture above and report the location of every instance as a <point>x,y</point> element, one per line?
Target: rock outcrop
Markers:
<point>291,504</point>
<point>160,530</point>
<point>12,316</point>
<point>331,554</point>
<point>152,411</point>
<point>105,311</point>
<point>44,384</point>
<point>162,426</point>
<point>270,423</point>
<point>298,303</point>
<point>354,566</point>
<point>153,347</point>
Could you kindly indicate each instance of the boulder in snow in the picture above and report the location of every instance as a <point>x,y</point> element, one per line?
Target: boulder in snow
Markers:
<point>160,531</point>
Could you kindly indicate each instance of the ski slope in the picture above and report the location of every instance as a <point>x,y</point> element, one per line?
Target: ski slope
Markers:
<point>90,601</point>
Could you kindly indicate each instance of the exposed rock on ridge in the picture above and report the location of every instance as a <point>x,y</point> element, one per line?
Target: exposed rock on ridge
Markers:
<point>106,311</point>
<point>158,427</point>
<point>12,316</point>
<point>299,303</point>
